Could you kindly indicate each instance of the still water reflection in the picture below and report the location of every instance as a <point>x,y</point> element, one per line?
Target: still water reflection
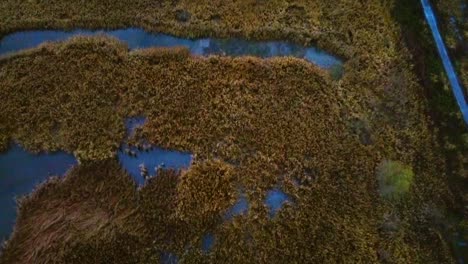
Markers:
<point>138,39</point>
<point>20,172</point>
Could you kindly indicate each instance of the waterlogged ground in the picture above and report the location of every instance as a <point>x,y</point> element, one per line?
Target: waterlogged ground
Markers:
<point>147,157</point>
<point>19,182</point>
<point>152,159</point>
<point>275,200</point>
<point>139,39</point>
<point>20,172</point>
<point>241,207</point>
<point>275,125</point>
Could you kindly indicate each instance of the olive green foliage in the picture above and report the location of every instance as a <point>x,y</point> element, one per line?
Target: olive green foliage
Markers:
<point>443,109</point>
<point>268,122</point>
<point>229,118</point>
<point>394,178</point>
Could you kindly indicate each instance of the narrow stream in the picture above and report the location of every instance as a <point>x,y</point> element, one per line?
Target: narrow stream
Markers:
<point>459,244</point>
<point>139,39</point>
<point>448,66</point>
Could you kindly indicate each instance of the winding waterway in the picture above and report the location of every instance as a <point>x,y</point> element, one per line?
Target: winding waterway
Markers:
<point>138,39</point>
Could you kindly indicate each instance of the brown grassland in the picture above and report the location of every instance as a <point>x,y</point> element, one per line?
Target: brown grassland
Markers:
<point>253,124</point>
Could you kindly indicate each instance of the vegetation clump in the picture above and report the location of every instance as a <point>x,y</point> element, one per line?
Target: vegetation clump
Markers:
<point>395,179</point>
<point>207,190</point>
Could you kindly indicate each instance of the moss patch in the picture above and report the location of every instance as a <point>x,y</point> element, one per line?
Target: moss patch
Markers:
<point>395,179</point>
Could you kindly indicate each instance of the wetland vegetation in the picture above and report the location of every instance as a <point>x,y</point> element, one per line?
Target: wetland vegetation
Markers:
<point>453,21</point>
<point>254,125</point>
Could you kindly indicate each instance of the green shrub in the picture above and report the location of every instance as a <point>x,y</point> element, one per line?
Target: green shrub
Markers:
<point>394,178</point>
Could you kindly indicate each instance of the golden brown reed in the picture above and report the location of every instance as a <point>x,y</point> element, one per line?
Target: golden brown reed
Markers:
<point>268,122</point>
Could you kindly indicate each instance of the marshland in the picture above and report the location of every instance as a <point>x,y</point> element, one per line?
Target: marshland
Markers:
<point>285,160</point>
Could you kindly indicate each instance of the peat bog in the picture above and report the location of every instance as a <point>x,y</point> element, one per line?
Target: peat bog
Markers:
<point>145,156</point>
<point>22,171</point>
<point>270,137</point>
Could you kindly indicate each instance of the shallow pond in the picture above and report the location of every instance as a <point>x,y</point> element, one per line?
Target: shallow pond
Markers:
<point>20,172</point>
<point>148,158</point>
<point>138,39</point>
<point>275,199</point>
<point>208,241</point>
<point>241,207</point>
<point>136,160</point>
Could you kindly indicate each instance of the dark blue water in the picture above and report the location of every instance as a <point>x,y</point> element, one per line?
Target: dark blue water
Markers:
<point>450,71</point>
<point>20,172</point>
<point>132,123</point>
<point>208,242</point>
<point>169,258</point>
<point>152,158</point>
<point>275,199</point>
<point>241,207</point>
<point>137,39</point>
